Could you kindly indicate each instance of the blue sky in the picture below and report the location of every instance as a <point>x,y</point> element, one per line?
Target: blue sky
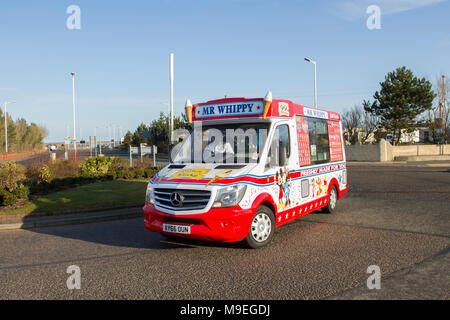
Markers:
<point>241,48</point>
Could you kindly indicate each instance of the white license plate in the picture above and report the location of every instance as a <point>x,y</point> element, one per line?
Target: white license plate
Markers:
<point>173,228</point>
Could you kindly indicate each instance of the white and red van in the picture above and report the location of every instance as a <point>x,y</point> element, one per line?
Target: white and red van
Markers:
<point>247,167</point>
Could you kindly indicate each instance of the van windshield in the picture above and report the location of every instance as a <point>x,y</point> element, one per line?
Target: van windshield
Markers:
<point>224,143</point>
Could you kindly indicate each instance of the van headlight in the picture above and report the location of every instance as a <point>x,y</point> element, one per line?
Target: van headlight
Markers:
<point>149,195</point>
<point>229,196</point>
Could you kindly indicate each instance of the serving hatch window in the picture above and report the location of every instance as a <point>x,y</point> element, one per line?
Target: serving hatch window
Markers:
<point>225,143</point>
<point>318,140</point>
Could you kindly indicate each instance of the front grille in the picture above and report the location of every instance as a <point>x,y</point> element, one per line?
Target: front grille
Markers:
<point>191,199</point>
<point>182,221</point>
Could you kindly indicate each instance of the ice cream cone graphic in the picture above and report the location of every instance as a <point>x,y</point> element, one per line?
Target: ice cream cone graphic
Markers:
<point>267,103</point>
<point>163,175</point>
<point>189,110</point>
<point>219,175</point>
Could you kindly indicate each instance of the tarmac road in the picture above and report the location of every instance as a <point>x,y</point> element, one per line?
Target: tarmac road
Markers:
<point>395,217</point>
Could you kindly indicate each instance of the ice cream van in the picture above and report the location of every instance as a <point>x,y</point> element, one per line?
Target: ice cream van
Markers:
<point>247,167</point>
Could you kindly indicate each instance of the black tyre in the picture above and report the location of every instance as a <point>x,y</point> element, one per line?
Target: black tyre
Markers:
<point>332,201</point>
<point>262,228</point>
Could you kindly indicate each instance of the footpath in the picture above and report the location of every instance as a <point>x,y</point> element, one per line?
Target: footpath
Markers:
<point>61,219</point>
<point>420,164</point>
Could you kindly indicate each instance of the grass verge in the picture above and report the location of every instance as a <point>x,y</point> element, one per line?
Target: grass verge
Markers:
<point>104,194</point>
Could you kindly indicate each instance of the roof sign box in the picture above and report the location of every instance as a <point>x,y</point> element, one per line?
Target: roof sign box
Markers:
<point>315,113</point>
<point>232,108</point>
<point>229,109</point>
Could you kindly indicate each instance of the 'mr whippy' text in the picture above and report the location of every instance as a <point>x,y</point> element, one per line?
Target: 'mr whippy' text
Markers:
<point>233,109</point>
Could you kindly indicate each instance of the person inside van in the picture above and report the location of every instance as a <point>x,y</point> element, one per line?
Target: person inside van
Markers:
<point>213,148</point>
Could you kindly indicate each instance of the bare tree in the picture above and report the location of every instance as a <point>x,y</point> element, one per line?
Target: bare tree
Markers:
<point>438,118</point>
<point>369,125</point>
<point>441,113</point>
<point>351,122</point>
<point>359,125</point>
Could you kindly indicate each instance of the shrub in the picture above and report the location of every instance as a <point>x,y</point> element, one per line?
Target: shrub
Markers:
<point>77,180</point>
<point>45,174</point>
<point>96,167</point>
<point>56,183</point>
<point>34,186</point>
<point>85,180</point>
<point>118,164</point>
<point>130,174</point>
<point>147,173</point>
<point>68,181</point>
<point>65,168</point>
<point>120,174</point>
<point>150,173</point>
<point>7,198</point>
<point>32,171</point>
<point>80,180</point>
<point>111,176</point>
<point>10,174</point>
<point>139,173</point>
<point>22,192</point>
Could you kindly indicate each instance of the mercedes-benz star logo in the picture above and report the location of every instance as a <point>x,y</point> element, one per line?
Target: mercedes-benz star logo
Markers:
<point>176,199</point>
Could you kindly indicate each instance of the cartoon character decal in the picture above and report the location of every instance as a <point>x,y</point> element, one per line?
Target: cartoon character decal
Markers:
<point>325,185</point>
<point>340,178</point>
<point>284,183</point>
<point>318,183</point>
<point>286,189</point>
<point>320,186</point>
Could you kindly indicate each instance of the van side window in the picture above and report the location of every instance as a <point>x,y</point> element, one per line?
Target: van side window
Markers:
<point>334,135</point>
<point>318,140</point>
<point>285,142</point>
<point>280,149</point>
<point>303,141</point>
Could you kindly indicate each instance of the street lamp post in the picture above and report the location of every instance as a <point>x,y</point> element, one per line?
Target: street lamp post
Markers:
<point>315,80</point>
<point>110,137</point>
<point>114,135</point>
<point>74,122</point>
<point>171,76</point>
<point>95,138</point>
<point>99,141</point>
<point>6,128</point>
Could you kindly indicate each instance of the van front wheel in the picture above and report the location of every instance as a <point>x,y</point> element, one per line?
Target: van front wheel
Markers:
<point>262,228</point>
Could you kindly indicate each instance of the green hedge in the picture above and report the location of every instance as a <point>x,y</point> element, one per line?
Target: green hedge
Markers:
<point>8,198</point>
<point>41,180</point>
<point>96,167</point>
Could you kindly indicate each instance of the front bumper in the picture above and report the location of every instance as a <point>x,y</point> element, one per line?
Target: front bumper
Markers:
<point>218,224</point>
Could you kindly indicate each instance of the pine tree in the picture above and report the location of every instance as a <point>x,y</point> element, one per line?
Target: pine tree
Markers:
<point>402,98</point>
<point>128,139</point>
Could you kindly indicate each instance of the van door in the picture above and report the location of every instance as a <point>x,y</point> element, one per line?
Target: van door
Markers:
<point>280,161</point>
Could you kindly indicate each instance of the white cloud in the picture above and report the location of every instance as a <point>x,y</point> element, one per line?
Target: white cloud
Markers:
<point>356,9</point>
